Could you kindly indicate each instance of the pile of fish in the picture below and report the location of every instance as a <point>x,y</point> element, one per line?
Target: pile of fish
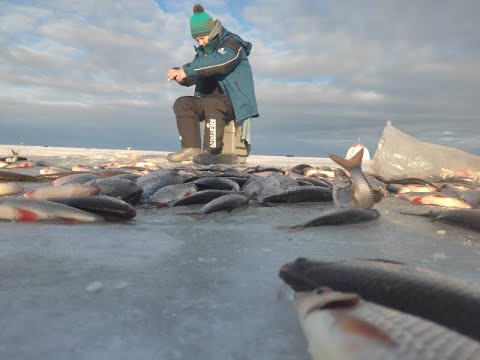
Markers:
<point>356,309</point>
<point>114,191</point>
<point>376,309</point>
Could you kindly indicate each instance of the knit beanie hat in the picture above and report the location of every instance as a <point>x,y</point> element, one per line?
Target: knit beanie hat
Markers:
<point>201,23</point>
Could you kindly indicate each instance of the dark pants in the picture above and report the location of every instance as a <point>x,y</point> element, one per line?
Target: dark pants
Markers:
<point>216,110</point>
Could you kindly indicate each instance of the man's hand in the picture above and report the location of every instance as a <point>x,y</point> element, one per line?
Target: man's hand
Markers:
<point>176,74</point>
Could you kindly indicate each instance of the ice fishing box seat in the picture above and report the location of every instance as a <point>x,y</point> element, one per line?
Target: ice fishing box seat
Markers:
<point>235,150</point>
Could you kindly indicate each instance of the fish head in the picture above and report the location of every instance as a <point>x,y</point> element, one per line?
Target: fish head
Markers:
<point>296,274</point>
<point>341,178</point>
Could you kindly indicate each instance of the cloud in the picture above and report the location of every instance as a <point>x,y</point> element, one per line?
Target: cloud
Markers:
<point>317,65</point>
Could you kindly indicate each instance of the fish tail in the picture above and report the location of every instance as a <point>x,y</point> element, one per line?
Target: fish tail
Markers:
<point>353,163</point>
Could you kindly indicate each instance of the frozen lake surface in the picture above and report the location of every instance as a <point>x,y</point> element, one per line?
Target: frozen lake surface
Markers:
<point>170,287</point>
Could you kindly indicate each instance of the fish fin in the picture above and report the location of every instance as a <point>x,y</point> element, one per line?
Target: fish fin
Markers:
<point>159,205</point>
<point>69,220</point>
<point>292,228</point>
<point>355,326</point>
<point>386,261</point>
<point>26,215</point>
<point>430,214</point>
<point>349,164</point>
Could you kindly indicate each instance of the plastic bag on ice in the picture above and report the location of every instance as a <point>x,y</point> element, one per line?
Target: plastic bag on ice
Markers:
<point>400,155</point>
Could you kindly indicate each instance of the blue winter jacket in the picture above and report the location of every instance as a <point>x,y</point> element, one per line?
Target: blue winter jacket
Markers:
<point>229,64</point>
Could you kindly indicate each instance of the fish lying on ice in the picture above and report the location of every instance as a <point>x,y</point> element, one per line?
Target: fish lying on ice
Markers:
<point>298,194</point>
<point>6,175</point>
<point>214,182</point>
<point>21,164</point>
<point>21,209</point>
<point>201,197</point>
<point>227,202</point>
<point>10,188</point>
<point>337,216</point>
<point>124,189</point>
<point>62,191</point>
<point>108,207</point>
<point>51,170</point>
<point>436,198</point>
<point>78,178</point>
<point>446,300</point>
<point>170,193</point>
<point>340,325</point>
<point>361,190</point>
<point>469,218</point>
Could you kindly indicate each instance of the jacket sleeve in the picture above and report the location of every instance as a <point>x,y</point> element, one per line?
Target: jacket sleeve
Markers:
<point>223,61</point>
<point>189,81</point>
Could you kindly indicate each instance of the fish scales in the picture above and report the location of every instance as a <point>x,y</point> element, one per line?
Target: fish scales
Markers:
<point>364,197</point>
<point>225,202</point>
<point>469,218</point>
<point>219,183</point>
<point>167,194</point>
<point>6,175</point>
<point>10,188</point>
<point>299,194</point>
<point>349,327</point>
<point>201,197</point>
<point>22,209</point>
<point>109,207</point>
<point>449,301</point>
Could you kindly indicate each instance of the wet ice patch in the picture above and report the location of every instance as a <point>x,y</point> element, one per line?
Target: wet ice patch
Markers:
<point>439,256</point>
<point>94,287</point>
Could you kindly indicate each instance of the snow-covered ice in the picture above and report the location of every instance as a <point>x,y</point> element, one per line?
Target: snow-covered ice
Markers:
<point>177,288</point>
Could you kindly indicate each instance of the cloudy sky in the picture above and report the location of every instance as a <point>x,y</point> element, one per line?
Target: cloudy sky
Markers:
<point>327,73</point>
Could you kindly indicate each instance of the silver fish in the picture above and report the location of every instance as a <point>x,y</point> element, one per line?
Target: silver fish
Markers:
<point>21,164</point>
<point>337,216</point>
<point>362,192</point>
<point>74,179</point>
<point>6,175</point>
<point>446,300</point>
<point>21,209</point>
<point>10,188</point>
<point>471,196</point>
<point>435,198</point>
<point>200,197</point>
<point>62,191</point>
<point>227,202</point>
<point>469,218</point>
<point>219,183</point>
<point>161,177</point>
<point>108,207</point>
<point>339,325</point>
<point>171,193</point>
<point>298,194</point>
<point>342,190</point>
<point>124,189</point>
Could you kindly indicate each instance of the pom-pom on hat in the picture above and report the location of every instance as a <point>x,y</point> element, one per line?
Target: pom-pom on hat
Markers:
<point>201,23</point>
